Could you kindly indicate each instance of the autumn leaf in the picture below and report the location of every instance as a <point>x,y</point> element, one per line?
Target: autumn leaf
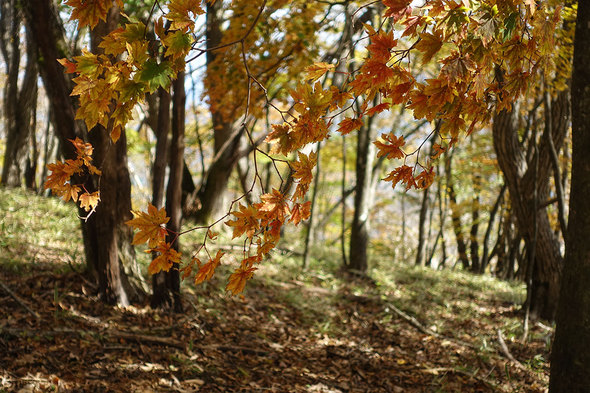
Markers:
<point>300,211</point>
<point>425,178</point>
<point>303,169</point>
<point>404,174</point>
<point>207,270</point>
<point>167,256</point>
<point>150,225</point>
<point>275,205</point>
<point>391,147</point>
<point>381,45</point>
<point>396,8</point>
<point>317,70</point>
<point>90,12</point>
<point>437,150</point>
<point>89,201</point>
<point>237,281</point>
<point>246,221</point>
<point>378,108</point>
<point>347,125</point>
<point>180,14</point>
<point>429,44</point>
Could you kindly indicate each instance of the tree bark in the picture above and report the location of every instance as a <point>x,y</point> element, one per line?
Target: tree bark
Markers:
<point>456,214</point>
<point>109,255</point>
<point>359,236</point>
<point>19,105</point>
<point>570,358</point>
<point>522,177</point>
<point>167,284</point>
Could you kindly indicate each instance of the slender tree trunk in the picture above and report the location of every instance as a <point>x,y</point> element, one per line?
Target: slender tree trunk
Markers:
<point>227,139</point>
<point>420,250</point>
<point>19,105</point>
<point>570,357</point>
<point>309,234</point>
<point>359,236</point>
<point>456,214</point>
<point>174,188</point>
<point>473,233</point>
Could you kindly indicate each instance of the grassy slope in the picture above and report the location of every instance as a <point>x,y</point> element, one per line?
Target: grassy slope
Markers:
<point>316,332</point>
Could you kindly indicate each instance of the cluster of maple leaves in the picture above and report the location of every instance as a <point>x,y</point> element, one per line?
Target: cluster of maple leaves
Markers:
<point>489,52</point>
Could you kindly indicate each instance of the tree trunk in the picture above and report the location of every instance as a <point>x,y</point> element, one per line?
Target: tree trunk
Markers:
<point>19,105</point>
<point>473,241</point>
<point>570,357</point>
<point>456,214</point>
<point>359,236</point>
<point>420,250</point>
<point>109,254</point>
<point>522,178</point>
<point>167,284</point>
<point>208,198</point>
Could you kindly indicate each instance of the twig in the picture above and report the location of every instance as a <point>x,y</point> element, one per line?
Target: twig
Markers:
<point>168,341</point>
<point>19,300</point>
<point>507,353</point>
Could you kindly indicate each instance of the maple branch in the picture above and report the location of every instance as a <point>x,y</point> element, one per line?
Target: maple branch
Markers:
<point>237,41</point>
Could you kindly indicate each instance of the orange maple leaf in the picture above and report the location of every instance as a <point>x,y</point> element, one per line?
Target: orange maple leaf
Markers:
<point>275,205</point>
<point>89,201</point>
<point>378,108</point>
<point>207,270</point>
<point>437,150</point>
<point>168,256</point>
<point>300,211</point>
<point>237,281</point>
<point>90,12</point>
<point>391,147</point>
<point>347,125</point>
<point>404,174</point>
<point>381,45</point>
<point>396,8</point>
<point>246,221</point>
<point>150,225</point>
<point>303,169</point>
<point>425,178</point>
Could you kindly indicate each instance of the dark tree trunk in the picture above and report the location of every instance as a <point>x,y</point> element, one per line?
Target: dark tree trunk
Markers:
<point>522,178</point>
<point>359,236</point>
<point>109,254</point>
<point>109,251</point>
<point>570,358</point>
<point>19,105</point>
<point>167,284</point>
<point>161,129</point>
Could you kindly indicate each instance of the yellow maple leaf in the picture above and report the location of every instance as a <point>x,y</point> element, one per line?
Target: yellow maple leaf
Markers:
<point>89,201</point>
<point>429,44</point>
<point>246,221</point>
<point>150,225</point>
<point>317,70</point>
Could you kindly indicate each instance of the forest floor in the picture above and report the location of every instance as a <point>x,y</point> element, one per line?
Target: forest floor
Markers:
<point>406,330</point>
